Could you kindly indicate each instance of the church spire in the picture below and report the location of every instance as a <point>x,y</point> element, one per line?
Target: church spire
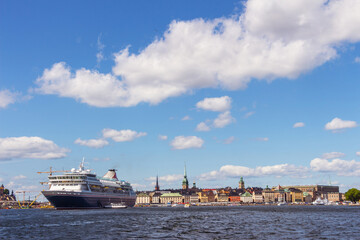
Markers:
<point>241,183</point>
<point>157,187</point>
<point>184,170</point>
<point>185,182</point>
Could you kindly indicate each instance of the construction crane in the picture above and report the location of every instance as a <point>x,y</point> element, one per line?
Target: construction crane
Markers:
<point>51,171</point>
<point>35,199</point>
<point>23,203</point>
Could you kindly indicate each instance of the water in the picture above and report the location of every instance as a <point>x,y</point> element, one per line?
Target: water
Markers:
<point>242,222</point>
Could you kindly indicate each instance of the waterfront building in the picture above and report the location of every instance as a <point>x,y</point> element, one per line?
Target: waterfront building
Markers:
<point>307,197</point>
<point>342,197</point>
<point>157,187</point>
<point>234,196</point>
<point>222,197</point>
<point>155,197</point>
<point>257,197</point>
<point>241,184</point>
<point>332,196</point>
<point>186,198</point>
<point>185,182</point>
<point>194,198</point>
<point>142,198</point>
<point>280,194</point>
<point>317,190</point>
<point>252,189</point>
<point>268,195</point>
<point>296,195</point>
<point>246,197</point>
<point>206,196</point>
<point>171,198</point>
<point>211,195</point>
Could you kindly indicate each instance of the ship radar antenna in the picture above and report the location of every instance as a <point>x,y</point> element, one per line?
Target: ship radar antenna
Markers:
<point>82,164</point>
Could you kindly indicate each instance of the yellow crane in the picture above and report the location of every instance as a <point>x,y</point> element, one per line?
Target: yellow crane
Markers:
<point>51,171</point>
<point>23,203</point>
<point>35,199</point>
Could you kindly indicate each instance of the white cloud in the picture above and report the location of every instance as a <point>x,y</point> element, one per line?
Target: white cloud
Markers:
<point>249,114</point>
<point>122,135</point>
<point>167,178</point>
<point>93,143</point>
<point>19,177</point>
<point>16,186</point>
<point>202,127</point>
<point>186,118</point>
<point>7,98</point>
<point>181,142</point>
<point>102,159</point>
<point>298,125</point>
<point>163,137</point>
<point>223,120</point>
<point>100,47</point>
<point>339,166</point>
<point>332,155</point>
<point>357,60</point>
<point>219,104</point>
<point>229,140</point>
<point>231,171</point>
<point>118,136</point>
<point>357,153</point>
<point>87,86</point>
<point>289,38</point>
<point>262,139</point>
<point>338,124</point>
<point>138,186</point>
<point>11,184</point>
<point>30,147</point>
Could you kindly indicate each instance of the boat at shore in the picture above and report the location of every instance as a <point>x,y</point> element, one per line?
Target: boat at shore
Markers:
<point>320,201</point>
<point>80,188</point>
<point>116,205</point>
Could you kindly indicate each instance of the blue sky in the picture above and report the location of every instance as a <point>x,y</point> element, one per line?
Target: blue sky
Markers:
<point>265,90</point>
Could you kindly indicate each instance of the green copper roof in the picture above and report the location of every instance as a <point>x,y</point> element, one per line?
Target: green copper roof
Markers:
<point>142,195</point>
<point>171,195</point>
<point>246,194</point>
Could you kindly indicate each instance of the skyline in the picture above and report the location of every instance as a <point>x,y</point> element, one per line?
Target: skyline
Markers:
<point>144,87</point>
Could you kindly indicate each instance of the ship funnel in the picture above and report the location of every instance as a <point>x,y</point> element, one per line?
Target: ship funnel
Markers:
<point>111,174</point>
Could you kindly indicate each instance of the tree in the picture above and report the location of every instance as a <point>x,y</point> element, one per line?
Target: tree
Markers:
<point>352,195</point>
<point>6,191</point>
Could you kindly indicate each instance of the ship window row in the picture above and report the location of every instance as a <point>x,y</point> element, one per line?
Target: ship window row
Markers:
<point>67,181</point>
<point>66,184</point>
<point>68,177</point>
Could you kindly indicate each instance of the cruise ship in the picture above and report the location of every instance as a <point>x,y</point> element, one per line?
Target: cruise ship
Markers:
<point>80,188</point>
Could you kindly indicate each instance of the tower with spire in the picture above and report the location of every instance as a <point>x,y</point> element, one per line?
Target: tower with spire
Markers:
<point>185,182</point>
<point>157,187</point>
<point>241,184</point>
